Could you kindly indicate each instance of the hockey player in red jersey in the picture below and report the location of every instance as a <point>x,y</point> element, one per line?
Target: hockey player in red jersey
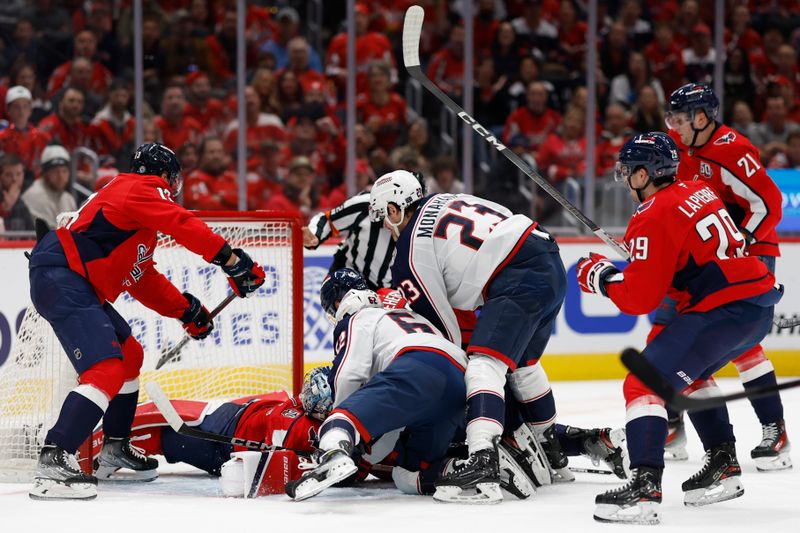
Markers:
<point>275,419</point>
<point>714,154</point>
<point>725,301</point>
<point>76,273</point>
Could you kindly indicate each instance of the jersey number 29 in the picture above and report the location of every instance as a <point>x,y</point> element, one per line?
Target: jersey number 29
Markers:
<point>725,230</point>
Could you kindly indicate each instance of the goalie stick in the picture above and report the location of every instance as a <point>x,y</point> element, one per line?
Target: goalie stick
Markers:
<point>175,421</point>
<point>412,29</point>
<point>172,354</point>
<point>650,376</point>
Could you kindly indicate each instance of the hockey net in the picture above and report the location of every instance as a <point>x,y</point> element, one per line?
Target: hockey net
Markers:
<point>256,345</point>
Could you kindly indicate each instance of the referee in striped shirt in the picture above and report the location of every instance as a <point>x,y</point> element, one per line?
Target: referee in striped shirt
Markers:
<point>367,247</point>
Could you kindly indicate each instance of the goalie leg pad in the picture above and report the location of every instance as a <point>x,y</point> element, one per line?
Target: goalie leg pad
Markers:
<point>252,474</point>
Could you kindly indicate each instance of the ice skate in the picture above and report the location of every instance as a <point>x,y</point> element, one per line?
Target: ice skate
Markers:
<point>332,467</point>
<point>513,478</point>
<point>604,445</point>
<point>555,454</point>
<point>58,477</point>
<point>719,480</point>
<point>118,454</point>
<point>637,502</point>
<point>773,451</point>
<point>529,454</point>
<point>675,447</point>
<point>480,473</point>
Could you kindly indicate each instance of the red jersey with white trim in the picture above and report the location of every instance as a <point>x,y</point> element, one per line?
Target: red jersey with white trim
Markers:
<point>684,245</point>
<point>110,241</point>
<point>278,421</point>
<point>731,165</point>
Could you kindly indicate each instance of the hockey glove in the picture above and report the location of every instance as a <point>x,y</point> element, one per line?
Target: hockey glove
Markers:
<point>196,320</point>
<point>246,276</point>
<point>594,272</point>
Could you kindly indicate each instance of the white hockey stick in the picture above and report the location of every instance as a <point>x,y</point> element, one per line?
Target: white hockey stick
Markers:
<point>412,28</point>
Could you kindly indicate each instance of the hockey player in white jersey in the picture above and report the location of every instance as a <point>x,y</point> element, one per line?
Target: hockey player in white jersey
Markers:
<point>457,251</point>
<point>398,387</point>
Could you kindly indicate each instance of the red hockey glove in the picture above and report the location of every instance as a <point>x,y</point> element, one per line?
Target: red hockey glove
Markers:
<point>246,276</point>
<point>196,320</point>
<point>594,272</point>
<point>391,298</point>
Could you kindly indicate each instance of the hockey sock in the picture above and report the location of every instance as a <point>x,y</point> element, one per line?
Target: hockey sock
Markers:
<point>485,379</point>
<point>755,370</point>
<point>80,413</point>
<point>712,425</point>
<point>646,437</point>
<point>335,429</point>
<point>769,409</point>
<point>532,390</point>
<point>119,415</point>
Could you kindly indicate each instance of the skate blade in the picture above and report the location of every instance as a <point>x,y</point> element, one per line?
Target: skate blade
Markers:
<point>772,464</point>
<point>721,491</point>
<point>50,489</point>
<point>115,474</point>
<point>312,486</point>
<point>643,513</point>
<point>485,494</point>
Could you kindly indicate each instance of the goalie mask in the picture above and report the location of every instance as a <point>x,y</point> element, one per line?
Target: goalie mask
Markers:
<point>401,188</point>
<point>335,286</point>
<point>153,159</point>
<point>316,394</point>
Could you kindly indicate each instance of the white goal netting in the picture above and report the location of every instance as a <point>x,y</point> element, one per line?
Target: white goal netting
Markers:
<point>252,350</point>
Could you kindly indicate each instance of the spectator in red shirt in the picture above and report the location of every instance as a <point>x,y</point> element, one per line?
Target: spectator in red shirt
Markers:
<point>614,51</point>
<point>86,47</point>
<point>189,157</point>
<point>764,61</point>
<point>740,34</point>
<point>571,35</point>
<point>297,195</point>
<point>446,68</point>
<point>21,138</point>
<point>80,77</point>
<point>536,121</point>
<point>260,126</point>
<point>175,126</point>
<point>211,186</point>
<point>380,109</point>
<point>665,58</point>
<point>688,17</point>
<point>222,47</point>
<point>485,25</point>
<point>563,155</point>
<point>615,133</point>
<point>370,46</point>
<point>65,126</point>
<point>786,65</point>
<point>364,179</point>
<point>209,112</point>
<point>112,129</point>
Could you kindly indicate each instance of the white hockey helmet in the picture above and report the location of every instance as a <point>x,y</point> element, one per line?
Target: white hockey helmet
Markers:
<point>399,187</point>
<point>355,300</point>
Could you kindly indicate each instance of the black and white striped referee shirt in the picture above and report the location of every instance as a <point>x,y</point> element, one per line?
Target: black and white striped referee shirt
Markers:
<point>367,247</point>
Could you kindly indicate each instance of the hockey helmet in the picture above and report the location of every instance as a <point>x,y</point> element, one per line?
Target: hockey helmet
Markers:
<point>334,288</point>
<point>152,159</point>
<point>655,152</point>
<point>399,187</point>
<point>316,394</point>
<point>689,99</point>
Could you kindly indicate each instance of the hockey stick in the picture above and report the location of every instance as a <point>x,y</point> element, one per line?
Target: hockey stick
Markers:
<point>590,470</point>
<point>645,371</point>
<point>175,421</point>
<point>171,354</point>
<point>412,28</point>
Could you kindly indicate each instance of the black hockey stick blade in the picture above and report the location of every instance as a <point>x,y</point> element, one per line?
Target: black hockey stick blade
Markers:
<point>177,424</point>
<point>412,28</point>
<point>173,354</point>
<point>645,371</point>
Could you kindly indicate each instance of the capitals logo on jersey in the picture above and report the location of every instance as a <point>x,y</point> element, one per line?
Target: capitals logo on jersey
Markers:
<point>142,256</point>
<point>728,138</point>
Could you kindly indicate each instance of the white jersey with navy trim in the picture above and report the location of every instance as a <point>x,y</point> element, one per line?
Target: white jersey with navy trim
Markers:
<point>369,340</point>
<point>449,251</point>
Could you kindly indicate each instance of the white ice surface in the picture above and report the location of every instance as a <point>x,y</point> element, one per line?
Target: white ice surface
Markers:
<point>184,500</point>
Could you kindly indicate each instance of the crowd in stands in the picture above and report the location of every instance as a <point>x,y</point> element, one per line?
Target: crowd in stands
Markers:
<point>66,82</point>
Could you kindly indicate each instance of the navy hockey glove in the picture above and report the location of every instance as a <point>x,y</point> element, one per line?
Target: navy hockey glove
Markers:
<point>196,320</point>
<point>246,276</point>
<point>594,272</point>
